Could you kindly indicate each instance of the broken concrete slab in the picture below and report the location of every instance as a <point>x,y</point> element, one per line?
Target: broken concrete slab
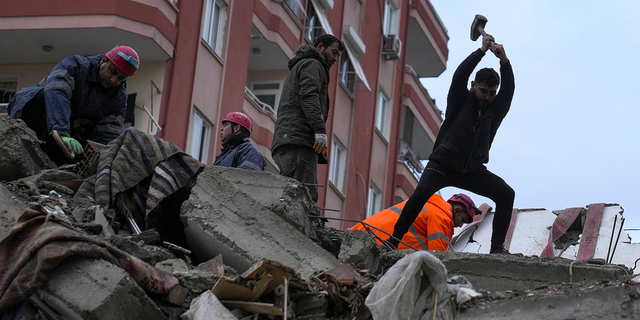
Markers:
<point>590,300</point>
<point>222,219</point>
<point>492,272</point>
<point>20,153</point>
<point>96,289</point>
<point>287,197</point>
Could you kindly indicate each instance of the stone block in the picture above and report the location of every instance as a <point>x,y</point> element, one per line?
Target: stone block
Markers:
<point>96,289</point>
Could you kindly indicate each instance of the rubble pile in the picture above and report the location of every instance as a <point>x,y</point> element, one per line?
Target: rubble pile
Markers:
<point>241,245</point>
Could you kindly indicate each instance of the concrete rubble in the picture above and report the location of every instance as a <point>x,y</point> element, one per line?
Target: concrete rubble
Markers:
<point>250,251</point>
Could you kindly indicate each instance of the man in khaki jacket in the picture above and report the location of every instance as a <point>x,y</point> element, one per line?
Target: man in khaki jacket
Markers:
<point>300,137</point>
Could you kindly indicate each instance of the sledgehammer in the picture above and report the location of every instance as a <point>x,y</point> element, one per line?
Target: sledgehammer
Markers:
<point>477,28</point>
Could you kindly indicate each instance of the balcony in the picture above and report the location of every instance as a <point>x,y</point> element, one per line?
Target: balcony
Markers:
<point>427,40</point>
<point>42,31</point>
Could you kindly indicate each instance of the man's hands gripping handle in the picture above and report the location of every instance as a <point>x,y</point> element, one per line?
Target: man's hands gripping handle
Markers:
<point>320,144</point>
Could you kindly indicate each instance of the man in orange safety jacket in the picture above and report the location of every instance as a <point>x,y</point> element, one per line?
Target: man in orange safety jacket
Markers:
<point>433,228</point>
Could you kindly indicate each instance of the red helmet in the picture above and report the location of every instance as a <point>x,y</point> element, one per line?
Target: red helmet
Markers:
<point>467,202</point>
<point>239,118</point>
<point>125,58</point>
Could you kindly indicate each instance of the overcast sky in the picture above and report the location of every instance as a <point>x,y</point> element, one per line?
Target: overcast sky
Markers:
<point>571,137</point>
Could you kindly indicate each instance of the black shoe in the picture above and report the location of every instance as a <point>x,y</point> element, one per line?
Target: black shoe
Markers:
<point>500,250</point>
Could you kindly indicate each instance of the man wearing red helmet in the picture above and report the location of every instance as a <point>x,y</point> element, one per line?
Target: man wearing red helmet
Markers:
<point>82,98</point>
<point>432,229</point>
<point>237,150</point>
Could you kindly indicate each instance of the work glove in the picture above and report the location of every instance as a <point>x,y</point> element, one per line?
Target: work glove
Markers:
<point>320,145</point>
<point>393,242</point>
<point>72,144</point>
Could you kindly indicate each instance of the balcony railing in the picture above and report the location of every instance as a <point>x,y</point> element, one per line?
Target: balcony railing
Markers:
<point>261,105</point>
<point>410,159</point>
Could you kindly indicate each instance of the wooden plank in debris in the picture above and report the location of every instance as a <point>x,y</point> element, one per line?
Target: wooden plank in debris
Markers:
<point>226,289</point>
<point>512,224</point>
<point>590,231</point>
<point>276,269</point>
<point>254,307</point>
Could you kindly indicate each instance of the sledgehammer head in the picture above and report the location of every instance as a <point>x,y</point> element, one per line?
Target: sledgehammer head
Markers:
<point>477,27</point>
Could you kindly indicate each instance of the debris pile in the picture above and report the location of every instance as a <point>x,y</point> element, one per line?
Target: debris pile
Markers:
<point>238,245</point>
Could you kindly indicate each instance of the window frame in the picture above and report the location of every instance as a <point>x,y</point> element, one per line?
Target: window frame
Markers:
<point>276,92</point>
<point>200,128</point>
<point>374,201</point>
<point>347,78</point>
<point>208,26</point>
<point>382,116</point>
<point>391,22</point>
<point>9,78</point>
<point>337,167</point>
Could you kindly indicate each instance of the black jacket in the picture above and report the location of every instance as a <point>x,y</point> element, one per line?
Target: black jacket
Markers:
<point>466,135</point>
<point>304,103</point>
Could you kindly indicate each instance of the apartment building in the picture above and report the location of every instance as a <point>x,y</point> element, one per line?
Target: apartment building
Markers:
<point>201,59</point>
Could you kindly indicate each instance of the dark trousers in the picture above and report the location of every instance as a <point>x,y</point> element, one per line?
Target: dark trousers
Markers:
<point>480,181</point>
<point>300,163</point>
<point>34,115</point>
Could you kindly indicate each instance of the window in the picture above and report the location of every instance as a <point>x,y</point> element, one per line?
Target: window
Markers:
<point>214,17</point>
<point>391,19</point>
<point>381,114</point>
<point>338,163</point>
<point>200,133</point>
<point>268,91</point>
<point>8,88</point>
<point>347,73</point>
<point>375,200</point>
<point>312,27</point>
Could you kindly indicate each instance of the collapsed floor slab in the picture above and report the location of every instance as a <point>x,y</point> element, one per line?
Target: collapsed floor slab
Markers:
<point>515,272</point>
<point>96,289</point>
<point>220,218</point>
<point>591,300</point>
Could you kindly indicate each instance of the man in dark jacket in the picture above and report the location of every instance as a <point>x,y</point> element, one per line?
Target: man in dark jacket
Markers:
<point>462,146</point>
<point>300,137</point>
<point>237,150</point>
<point>82,98</point>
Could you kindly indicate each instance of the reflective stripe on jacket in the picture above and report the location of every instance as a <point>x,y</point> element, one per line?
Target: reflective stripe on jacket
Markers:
<point>432,229</point>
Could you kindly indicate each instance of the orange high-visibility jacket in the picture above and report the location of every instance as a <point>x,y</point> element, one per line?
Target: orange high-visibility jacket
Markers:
<point>432,229</point>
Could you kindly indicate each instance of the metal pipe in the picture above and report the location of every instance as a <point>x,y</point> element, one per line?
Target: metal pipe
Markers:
<point>617,239</point>
<point>613,230</point>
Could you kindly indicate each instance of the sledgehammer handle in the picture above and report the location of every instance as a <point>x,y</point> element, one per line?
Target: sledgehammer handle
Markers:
<point>481,29</point>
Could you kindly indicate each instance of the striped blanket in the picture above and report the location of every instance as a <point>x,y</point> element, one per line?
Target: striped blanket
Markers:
<point>36,245</point>
<point>137,171</point>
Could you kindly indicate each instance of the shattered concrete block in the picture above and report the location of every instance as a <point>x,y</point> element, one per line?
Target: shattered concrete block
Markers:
<point>222,219</point>
<point>20,153</point>
<point>147,253</point>
<point>172,265</point>
<point>96,289</point>
<point>10,210</point>
<point>359,248</point>
<point>286,197</point>
<point>197,280</point>
<point>312,306</point>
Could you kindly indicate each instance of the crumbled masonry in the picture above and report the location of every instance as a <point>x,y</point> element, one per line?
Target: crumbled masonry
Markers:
<point>248,237</point>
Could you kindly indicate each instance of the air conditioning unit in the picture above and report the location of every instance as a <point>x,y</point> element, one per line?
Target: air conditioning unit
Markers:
<point>391,46</point>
